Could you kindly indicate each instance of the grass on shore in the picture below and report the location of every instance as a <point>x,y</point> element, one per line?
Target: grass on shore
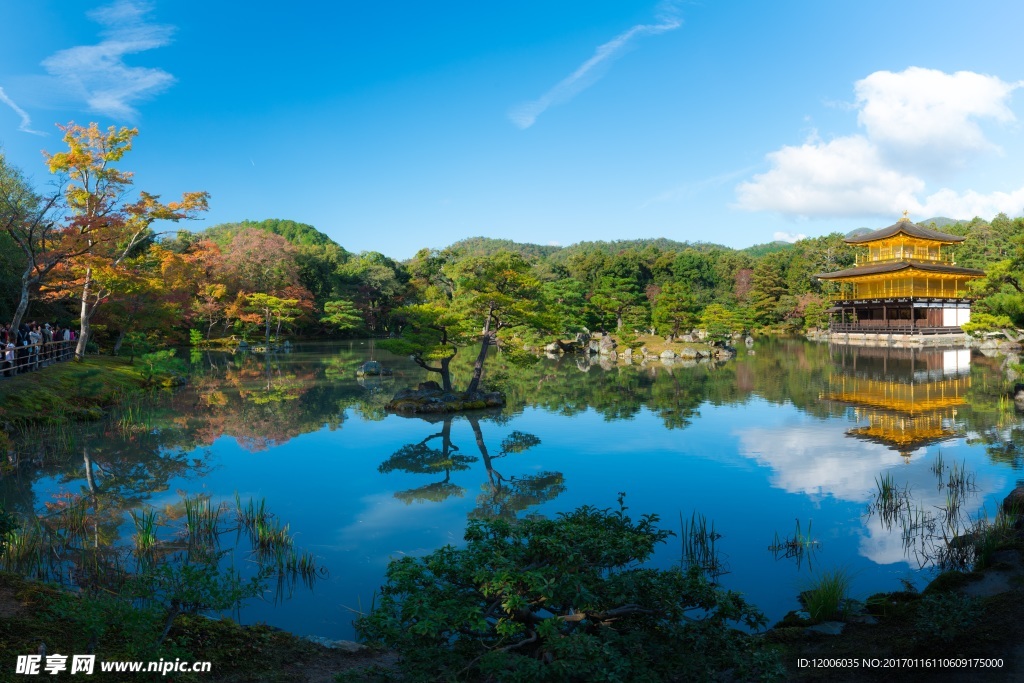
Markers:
<point>72,390</point>
<point>237,653</point>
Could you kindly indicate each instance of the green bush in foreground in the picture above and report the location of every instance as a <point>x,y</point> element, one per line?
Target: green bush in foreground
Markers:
<point>562,600</point>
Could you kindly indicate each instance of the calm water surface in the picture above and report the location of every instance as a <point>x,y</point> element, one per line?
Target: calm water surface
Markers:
<point>791,432</point>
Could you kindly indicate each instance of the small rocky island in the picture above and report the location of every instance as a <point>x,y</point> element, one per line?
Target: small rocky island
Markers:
<point>430,398</point>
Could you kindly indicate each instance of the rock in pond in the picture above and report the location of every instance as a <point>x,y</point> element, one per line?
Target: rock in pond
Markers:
<point>1015,501</point>
<point>372,368</point>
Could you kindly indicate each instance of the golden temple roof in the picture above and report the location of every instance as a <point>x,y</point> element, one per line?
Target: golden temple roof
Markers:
<point>907,228</point>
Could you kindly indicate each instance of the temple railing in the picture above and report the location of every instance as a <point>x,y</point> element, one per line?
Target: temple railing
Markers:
<point>892,326</point>
<point>906,293</point>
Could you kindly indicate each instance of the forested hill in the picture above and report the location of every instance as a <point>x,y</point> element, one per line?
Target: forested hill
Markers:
<point>485,246</point>
<point>303,234</point>
<point>759,250</point>
<point>300,234</point>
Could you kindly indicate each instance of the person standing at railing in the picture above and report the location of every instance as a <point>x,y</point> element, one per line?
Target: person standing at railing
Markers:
<point>35,339</point>
<point>22,350</point>
<point>69,338</point>
<point>8,359</point>
<point>47,343</point>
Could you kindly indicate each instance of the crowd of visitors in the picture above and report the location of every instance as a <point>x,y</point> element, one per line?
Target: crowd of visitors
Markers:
<point>33,345</point>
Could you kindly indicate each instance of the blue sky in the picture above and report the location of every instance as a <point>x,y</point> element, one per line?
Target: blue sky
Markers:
<point>394,126</point>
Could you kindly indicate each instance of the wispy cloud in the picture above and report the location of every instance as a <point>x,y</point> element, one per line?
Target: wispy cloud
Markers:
<point>588,73</point>
<point>26,121</point>
<point>98,72</point>
<point>693,189</point>
<point>788,236</point>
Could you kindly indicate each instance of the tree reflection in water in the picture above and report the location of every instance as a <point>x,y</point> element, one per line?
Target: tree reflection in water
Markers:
<point>501,496</point>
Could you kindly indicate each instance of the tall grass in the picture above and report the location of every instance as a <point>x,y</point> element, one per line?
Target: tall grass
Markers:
<point>700,550</point>
<point>274,546</point>
<point>890,500</point>
<point>26,550</point>
<point>202,520</point>
<point>960,482</point>
<point>251,513</point>
<point>827,597</point>
<point>797,546</point>
<point>145,531</point>
<point>938,465</point>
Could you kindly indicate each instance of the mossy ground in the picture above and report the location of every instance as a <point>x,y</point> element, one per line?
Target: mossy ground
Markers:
<point>237,654</point>
<point>73,390</point>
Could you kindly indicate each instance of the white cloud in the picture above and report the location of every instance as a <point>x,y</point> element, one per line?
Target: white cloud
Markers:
<point>26,122</point>
<point>916,122</point>
<point>842,177</point>
<point>925,117</point>
<point>98,72</point>
<point>788,236</point>
<point>587,73</point>
<point>969,204</point>
<point>824,461</point>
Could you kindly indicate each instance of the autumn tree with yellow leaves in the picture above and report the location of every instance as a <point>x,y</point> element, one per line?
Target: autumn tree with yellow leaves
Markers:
<point>106,226</point>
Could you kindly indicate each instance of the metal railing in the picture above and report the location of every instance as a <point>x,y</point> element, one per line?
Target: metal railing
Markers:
<point>905,253</point>
<point>896,326</point>
<point>917,292</point>
<point>28,357</point>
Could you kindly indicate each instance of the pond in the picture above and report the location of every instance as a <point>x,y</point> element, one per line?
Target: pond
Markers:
<point>789,441</point>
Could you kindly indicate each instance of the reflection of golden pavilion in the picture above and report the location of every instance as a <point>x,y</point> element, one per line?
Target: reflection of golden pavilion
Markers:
<point>908,397</point>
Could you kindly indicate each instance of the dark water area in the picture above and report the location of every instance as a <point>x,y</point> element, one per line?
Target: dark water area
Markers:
<point>792,432</point>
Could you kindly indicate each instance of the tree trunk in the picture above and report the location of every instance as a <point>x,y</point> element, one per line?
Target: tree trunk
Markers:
<point>268,330</point>
<point>446,375</point>
<point>478,367</point>
<point>84,317</point>
<point>120,340</point>
<point>89,478</point>
<point>19,313</point>
<point>442,369</point>
<point>446,437</point>
<point>618,321</point>
<point>493,477</point>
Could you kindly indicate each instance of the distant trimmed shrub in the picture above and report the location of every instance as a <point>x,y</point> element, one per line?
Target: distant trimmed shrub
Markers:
<point>986,322</point>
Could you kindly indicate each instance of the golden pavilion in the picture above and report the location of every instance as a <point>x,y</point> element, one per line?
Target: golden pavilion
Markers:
<point>905,280</point>
<point>905,399</point>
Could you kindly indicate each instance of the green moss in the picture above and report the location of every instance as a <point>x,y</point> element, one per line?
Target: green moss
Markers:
<point>786,634</point>
<point>243,653</point>
<point>79,390</point>
<point>951,581</point>
<point>896,605</point>
<point>237,653</point>
<point>792,620</point>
